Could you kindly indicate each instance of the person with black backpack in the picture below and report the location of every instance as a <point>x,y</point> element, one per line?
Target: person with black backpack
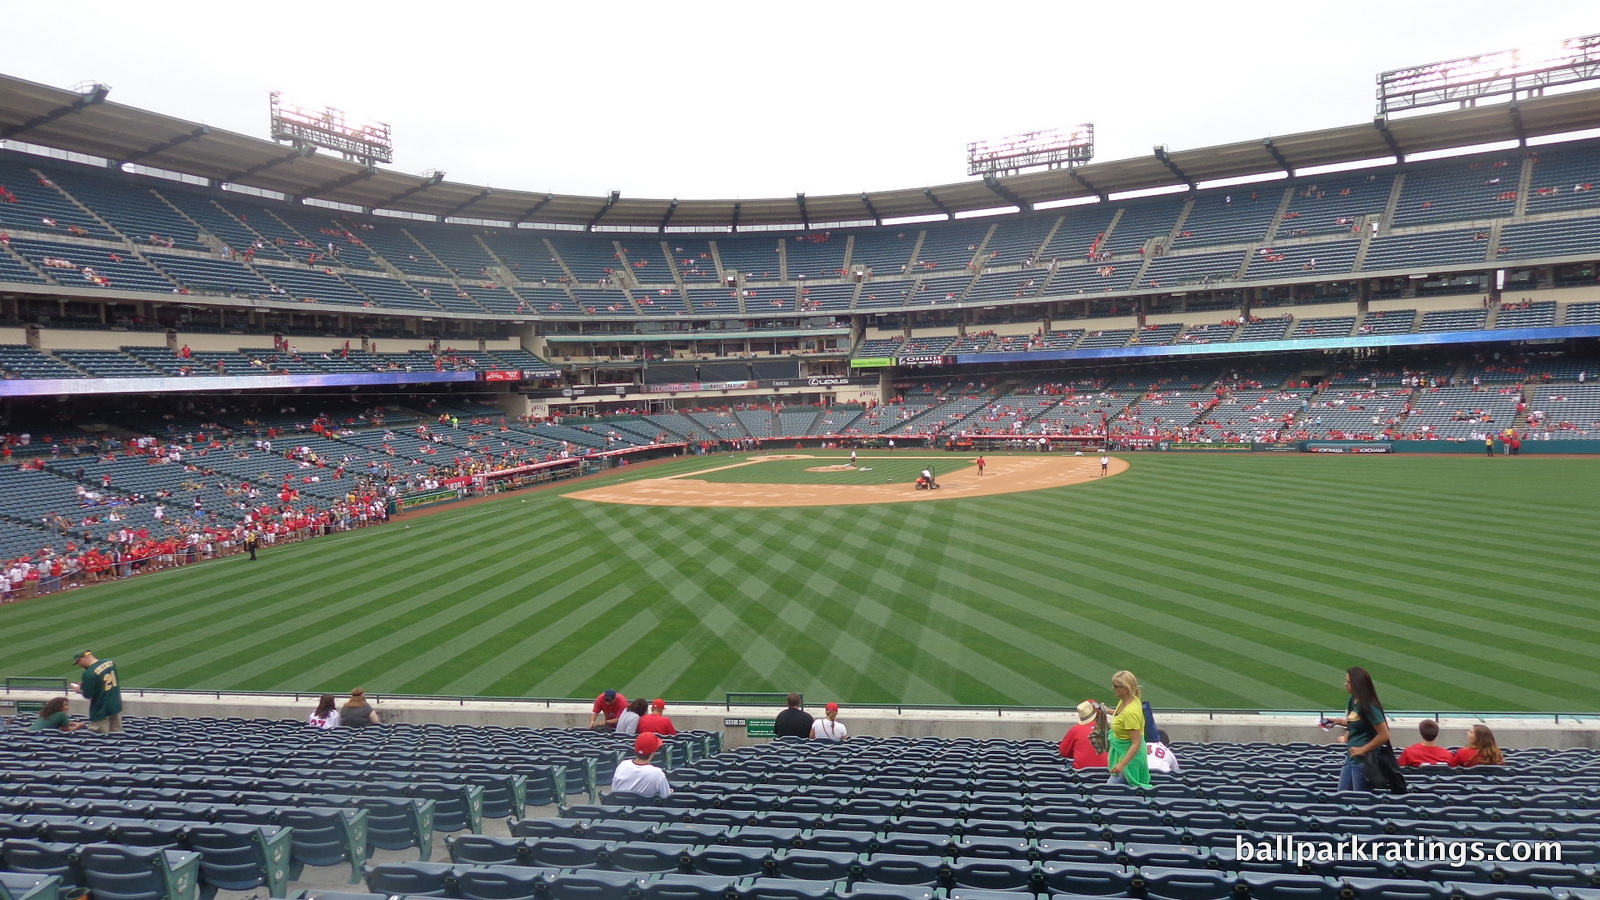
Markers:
<point>1367,734</point>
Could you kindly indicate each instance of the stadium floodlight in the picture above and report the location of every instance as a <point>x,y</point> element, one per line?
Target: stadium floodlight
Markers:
<point>1016,152</point>
<point>1530,70</point>
<point>365,142</point>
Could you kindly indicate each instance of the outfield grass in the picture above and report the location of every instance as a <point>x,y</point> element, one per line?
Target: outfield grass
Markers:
<point>1230,581</point>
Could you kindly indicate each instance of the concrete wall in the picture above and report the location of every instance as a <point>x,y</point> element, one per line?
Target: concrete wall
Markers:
<point>1049,725</point>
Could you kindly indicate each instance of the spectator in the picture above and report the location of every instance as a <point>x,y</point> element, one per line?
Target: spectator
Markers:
<point>1481,749</point>
<point>608,707</point>
<point>103,691</point>
<point>1367,728</point>
<point>54,717</point>
<point>657,722</point>
<point>637,775</point>
<point>793,721</point>
<point>326,715</point>
<point>829,728</point>
<point>1426,752</point>
<point>1078,745</point>
<point>628,719</point>
<point>357,712</point>
<point>1126,754</point>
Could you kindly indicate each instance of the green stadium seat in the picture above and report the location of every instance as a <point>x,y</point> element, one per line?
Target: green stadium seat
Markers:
<point>116,872</point>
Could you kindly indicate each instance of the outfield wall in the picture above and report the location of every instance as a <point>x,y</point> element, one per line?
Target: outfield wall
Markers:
<point>1560,731</point>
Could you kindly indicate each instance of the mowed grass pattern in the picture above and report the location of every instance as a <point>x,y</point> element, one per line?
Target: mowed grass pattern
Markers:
<point>1226,581</point>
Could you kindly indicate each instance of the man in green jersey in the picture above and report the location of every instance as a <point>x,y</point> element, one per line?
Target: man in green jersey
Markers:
<point>104,693</point>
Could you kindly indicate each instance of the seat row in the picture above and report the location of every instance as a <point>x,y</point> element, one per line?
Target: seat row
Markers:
<point>808,876</point>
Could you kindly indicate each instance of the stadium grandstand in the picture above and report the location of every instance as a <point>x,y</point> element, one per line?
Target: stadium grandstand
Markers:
<point>211,343</point>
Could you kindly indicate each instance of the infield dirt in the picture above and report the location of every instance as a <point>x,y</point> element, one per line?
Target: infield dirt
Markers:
<point>1004,475</point>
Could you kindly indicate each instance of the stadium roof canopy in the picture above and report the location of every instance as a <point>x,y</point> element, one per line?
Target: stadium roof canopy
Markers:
<point>89,124</point>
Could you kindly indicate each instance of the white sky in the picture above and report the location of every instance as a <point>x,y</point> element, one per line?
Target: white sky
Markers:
<point>761,99</point>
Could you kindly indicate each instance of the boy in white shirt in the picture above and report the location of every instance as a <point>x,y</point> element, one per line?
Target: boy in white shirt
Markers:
<point>638,775</point>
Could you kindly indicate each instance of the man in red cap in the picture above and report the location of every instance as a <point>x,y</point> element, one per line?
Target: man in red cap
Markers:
<point>656,721</point>
<point>829,728</point>
<point>638,775</point>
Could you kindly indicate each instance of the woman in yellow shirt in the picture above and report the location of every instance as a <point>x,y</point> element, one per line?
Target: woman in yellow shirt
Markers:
<point>1128,761</point>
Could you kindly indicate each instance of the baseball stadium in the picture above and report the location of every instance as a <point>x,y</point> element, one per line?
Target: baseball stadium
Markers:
<point>1247,420</point>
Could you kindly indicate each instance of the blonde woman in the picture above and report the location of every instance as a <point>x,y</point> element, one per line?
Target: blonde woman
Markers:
<point>1127,753</point>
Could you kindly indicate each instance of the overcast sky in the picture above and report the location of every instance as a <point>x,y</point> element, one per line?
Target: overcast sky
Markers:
<point>761,99</point>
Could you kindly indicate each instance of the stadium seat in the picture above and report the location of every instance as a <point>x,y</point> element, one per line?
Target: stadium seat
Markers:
<point>15,886</point>
<point>830,840</point>
<point>650,857</point>
<point>677,886</point>
<point>1393,889</point>
<point>327,837</point>
<point>593,884</point>
<point>1188,883</point>
<point>565,853</point>
<point>891,868</point>
<point>864,890</point>
<point>992,874</point>
<point>817,865</point>
<point>502,882</point>
<point>553,827</point>
<point>789,889</point>
<point>31,857</point>
<point>1473,890</point>
<point>1086,878</point>
<point>115,872</point>
<point>736,862</point>
<point>417,879</point>
<point>398,824</point>
<point>484,850</point>
<point>241,857</point>
<point>1286,886</point>
<point>913,844</point>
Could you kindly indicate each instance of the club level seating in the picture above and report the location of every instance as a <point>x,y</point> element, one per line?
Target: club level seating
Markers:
<point>1390,321</point>
<point>1157,335</point>
<point>972,342</point>
<point>1401,251</point>
<point>880,347</point>
<point>1209,333</point>
<point>1453,320</point>
<point>1541,314</point>
<point>1562,237</point>
<point>1106,338</point>
<point>1198,268</point>
<point>107,364</point>
<point>1327,326</point>
<point>1302,260</point>
<point>1260,329</point>
<point>826,297</point>
<point>924,346</point>
<point>22,361</point>
<point>203,275</point>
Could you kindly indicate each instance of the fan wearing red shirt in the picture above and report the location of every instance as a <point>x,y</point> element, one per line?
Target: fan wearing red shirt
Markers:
<point>1426,753</point>
<point>656,721</point>
<point>1481,749</point>
<point>1076,745</point>
<point>607,707</point>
